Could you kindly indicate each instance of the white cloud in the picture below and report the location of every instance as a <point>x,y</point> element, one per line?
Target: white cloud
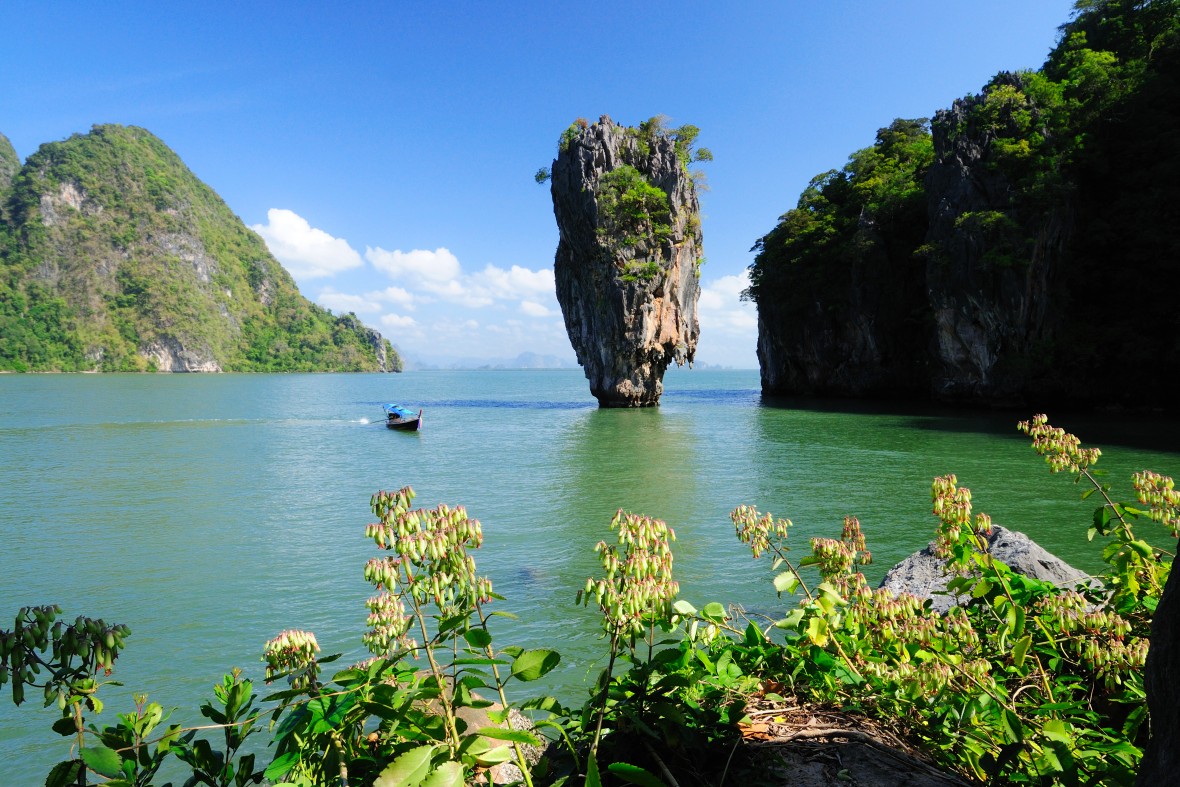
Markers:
<point>392,320</point>
<point>426,275</point>
<point>419,266</point>
<point>515,282</point>
<point>399,295</point>
<point>721,308</point>
<point>533,309</point>
<point>305,251</point>
<point>342,303</point>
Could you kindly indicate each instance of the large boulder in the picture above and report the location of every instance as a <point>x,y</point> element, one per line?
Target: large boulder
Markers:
<point>923,574</point>
<point>1161,759</point>
<point>629,255</point>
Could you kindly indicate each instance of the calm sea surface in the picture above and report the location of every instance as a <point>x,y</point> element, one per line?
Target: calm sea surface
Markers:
<point>211,512</point>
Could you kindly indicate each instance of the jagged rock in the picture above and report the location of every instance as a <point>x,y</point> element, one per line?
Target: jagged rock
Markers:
<point>923,574</point>
<point>1161,758</point>
<point>627,275</point>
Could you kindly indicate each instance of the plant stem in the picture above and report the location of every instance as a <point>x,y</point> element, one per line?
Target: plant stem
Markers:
<point>521,761</point>
<point>610,665</point>
<point>340,758</point>
<point>444,691</point>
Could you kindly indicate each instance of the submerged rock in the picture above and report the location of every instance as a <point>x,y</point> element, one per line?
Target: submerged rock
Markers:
<point>923,574</point>
<point>628,260</point>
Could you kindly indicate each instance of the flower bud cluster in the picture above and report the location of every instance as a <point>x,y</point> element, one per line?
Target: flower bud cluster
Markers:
<point>432,564</point>
<point>952,506</point>
<point>1062,451</point>
<point>638,587</point>
<point>887,619</point>
<point>292,652</point>
<point>388,623</point>
<point>756,530</point>
<point>1100,639</point>
<point>93,641</point>
<point>835,559</point>
<point>1156,491</point>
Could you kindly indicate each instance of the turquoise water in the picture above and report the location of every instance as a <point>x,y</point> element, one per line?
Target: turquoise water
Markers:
<point>210,512</point>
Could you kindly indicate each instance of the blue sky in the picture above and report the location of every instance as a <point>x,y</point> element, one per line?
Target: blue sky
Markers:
<point>386,151</point>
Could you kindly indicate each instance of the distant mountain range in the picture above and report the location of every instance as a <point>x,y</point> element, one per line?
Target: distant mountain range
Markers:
<point>526,360</point>
<point>114,256</point>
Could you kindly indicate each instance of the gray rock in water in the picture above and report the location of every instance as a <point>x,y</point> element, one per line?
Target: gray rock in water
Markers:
<point>1161,758</point>
<point>923,574</point>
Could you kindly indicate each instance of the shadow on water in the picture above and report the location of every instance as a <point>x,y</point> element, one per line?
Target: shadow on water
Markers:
<point>1151,431</point>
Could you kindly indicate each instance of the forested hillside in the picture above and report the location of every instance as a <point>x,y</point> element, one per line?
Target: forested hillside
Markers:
<point>115,257</point>
<point>1022,245</point>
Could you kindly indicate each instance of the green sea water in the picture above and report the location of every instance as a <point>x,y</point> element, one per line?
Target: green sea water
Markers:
<point>209,513</point>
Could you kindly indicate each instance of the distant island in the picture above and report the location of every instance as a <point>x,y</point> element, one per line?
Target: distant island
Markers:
<point>1020,247</point>
<point>115,257</point>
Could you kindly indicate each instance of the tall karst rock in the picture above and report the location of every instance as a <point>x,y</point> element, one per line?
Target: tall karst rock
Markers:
<point>114,256</point>
<point>629,256</point>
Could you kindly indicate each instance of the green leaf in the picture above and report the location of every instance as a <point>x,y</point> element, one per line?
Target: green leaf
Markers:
<point>64,774</point>
<point>477,638</point>
<point>1013,729</point>
<point>592,777</point>
<point>281,765</point>
<point>65,726</point>
<point>633,774</point>
<point>532,664</point>
<point>103,760</point>
<point>449,774</point>
<point>714,611</point>
<point>1020,649</point>
<point>407,770</point>
<point>515,736</point>
<point>1057,730</point>
<point>792,620</point>
<point>817,631</point>
<point>786,582</point>
<point>490,757</point>
<point>1142,548</point>
<point>682,607</point>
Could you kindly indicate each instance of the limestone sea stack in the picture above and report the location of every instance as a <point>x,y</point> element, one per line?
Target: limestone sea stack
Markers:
<point>629,255</point>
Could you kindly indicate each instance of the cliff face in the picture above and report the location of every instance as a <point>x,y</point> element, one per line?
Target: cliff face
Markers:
<point>853,333</point>
<point>992,259</point>
<point>841,297</point>
<point>1043,256</point>
<point>119,259</point>
<point>629,255</point>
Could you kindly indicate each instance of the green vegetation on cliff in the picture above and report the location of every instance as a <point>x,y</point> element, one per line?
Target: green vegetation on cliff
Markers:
<point>1020,234</point>
<point>115,257</point>
<point>875,203</point>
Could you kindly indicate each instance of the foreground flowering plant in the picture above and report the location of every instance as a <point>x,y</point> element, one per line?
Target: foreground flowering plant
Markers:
<point>1025,681</point>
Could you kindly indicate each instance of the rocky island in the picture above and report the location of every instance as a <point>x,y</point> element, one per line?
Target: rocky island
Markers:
<point>629,255</point>
<point>114,256</point>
